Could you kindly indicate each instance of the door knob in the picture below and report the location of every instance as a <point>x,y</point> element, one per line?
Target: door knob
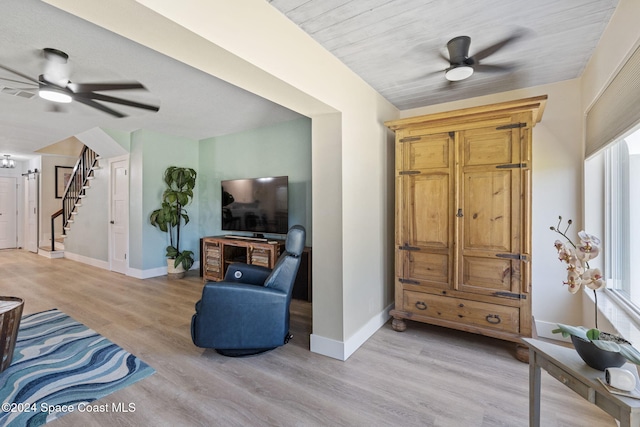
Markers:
<point>112,222</point>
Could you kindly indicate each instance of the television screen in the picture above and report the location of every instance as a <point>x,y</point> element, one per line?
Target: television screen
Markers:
<point>260,205</point>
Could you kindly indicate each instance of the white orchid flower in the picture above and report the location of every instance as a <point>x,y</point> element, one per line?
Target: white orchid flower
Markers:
<point>587,238</point>
<point>592,279</point>
<point>574,281</point>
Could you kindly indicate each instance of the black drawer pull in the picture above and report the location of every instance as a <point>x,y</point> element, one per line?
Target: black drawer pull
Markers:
<point>494,319</point>
<point>421,305</point>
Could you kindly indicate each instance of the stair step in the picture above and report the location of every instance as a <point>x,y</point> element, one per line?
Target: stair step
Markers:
<point>67,228</point>
<point>78,205</point>
<point>84,187</point>
<point>74,213</point>
<point>90,177</point>
<point>96,167</point>
<point>70,221</point>
<point>81,196</point>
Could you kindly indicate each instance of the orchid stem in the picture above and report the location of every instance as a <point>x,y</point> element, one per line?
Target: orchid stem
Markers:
<point>595,295</point>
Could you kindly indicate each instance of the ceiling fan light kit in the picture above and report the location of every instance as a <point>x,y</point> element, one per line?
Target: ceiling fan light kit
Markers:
<point>54,85</point>
<point>458,73</point>
<point>55,95</point>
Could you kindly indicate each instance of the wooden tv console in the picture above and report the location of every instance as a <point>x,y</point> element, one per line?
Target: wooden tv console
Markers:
<point>218,252</point>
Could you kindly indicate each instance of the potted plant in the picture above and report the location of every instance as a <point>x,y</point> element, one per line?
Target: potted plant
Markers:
<point>169,217</point>
<point>598,349</point>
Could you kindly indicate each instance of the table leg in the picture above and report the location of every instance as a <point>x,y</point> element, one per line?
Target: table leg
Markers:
<point>534,389</point>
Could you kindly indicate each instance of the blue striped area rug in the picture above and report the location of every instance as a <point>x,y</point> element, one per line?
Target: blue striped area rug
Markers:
<point>60,366</point>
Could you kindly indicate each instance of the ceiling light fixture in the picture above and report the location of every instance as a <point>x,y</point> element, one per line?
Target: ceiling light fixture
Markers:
<point>459,72</point>
<point>52,92</point>
<point>7,162</point>
<point>55,95</point>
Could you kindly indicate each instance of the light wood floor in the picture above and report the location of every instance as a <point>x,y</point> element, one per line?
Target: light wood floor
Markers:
<point>426,376</point>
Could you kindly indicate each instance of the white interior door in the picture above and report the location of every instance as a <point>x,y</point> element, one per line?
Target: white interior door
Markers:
<point>119,216</point>
<point>8,213</point>
<point>31,217</point>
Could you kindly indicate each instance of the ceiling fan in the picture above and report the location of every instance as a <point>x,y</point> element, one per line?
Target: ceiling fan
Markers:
<point>54,85</point>
<point>462,66</point>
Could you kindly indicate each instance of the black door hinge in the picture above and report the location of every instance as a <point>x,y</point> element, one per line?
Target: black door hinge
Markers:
<point>512,166</point>
<point>511,126</point>
<point>518,257</point>
<point>510,295</point>
<point>409,281</point>
<point>406,247</point>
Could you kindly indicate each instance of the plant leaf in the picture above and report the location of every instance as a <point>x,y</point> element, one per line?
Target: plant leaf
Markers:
<point>567,330</point>
<point>607,345</point>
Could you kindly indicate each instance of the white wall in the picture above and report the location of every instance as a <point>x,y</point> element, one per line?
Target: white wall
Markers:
<point>252,45</point>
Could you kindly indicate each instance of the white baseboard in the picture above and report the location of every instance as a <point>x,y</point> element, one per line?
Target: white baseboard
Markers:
<point>544,331</point>
<point>147,274</point>
<point>155,272</point>
<point>86,260</point>
<point>342,350</point>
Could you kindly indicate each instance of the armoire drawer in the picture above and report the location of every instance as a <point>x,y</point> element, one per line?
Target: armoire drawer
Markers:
<point>459,310</point>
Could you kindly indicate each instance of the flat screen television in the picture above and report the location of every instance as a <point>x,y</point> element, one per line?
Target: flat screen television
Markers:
<point>258,205</point>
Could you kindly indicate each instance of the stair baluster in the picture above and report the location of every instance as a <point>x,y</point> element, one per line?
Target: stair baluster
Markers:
<point>75,190</point>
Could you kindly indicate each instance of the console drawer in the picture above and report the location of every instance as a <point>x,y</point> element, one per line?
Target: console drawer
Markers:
<point>459,310</point>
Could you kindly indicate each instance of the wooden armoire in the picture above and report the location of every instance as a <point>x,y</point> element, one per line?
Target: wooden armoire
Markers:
<point>463,219</point>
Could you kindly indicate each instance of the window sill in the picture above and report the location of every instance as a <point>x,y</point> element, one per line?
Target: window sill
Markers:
<point>624,321</point>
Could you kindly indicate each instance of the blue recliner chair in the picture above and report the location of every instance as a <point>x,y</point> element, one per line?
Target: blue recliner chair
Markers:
<point>248,312</point>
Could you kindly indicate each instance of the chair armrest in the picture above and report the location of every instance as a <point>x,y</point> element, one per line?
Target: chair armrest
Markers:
<point>217,294</point>
<point>247,273</point>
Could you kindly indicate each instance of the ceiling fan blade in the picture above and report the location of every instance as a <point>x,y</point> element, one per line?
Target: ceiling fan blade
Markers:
<point>99,87</point>
<point>486,68</point>
<point>494,48</point>
<point>106,98</point>
<point>98,106</point>
<point>18,73</point>
<point>20,82</point>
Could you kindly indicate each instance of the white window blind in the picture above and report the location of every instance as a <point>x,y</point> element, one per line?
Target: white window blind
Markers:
<point>617,110</point>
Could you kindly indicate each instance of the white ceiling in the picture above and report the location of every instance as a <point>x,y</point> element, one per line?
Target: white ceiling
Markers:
<point>193,104</point>
<point>394,45</point>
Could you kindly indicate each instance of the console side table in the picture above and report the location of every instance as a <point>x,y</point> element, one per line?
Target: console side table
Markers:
<point>564,364</point>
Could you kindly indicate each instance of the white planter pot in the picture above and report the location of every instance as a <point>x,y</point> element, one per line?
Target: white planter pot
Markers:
<point>174,272</point>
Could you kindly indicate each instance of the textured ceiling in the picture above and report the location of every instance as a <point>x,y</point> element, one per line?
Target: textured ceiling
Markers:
<point>193,104</point>
<point>394,45</point>
<point>397,45</point>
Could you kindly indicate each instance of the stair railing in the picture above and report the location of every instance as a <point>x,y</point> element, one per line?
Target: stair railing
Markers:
<point>74,190</point>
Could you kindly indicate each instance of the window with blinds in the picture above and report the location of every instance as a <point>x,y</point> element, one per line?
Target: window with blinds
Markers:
<point>617,110</point>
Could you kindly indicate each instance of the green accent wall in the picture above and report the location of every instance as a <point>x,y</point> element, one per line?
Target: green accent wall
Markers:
<point>151,154</point>
<point>278,150</point>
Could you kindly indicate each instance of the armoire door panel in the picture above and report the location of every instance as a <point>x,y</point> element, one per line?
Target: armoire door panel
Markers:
<point>430,267</point>
<point>486,275</point>
<point>487,211</point>
<point>429,210</point>
<point>487,146</point>
<point>431,151</point>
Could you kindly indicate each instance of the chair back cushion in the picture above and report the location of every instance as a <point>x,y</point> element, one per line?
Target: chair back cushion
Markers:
<point>284,273</point>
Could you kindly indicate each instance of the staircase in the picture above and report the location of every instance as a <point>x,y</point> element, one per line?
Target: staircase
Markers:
<point>74,193</point>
